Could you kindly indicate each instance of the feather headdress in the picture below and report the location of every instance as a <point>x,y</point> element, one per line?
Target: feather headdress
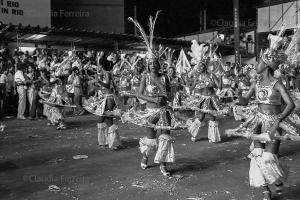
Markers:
<point>168,56</point>
<point>273,56</point>
<point>198,52</point>
<point>147,40</point>
<point>293,49</point>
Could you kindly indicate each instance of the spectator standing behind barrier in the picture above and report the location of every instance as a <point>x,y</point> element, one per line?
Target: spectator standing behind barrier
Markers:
<point>21,89</point>
<point>35,109</point>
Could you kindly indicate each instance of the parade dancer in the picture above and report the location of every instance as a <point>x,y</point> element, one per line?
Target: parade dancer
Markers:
<point>104,105</point>
<point>244,79</point>
<point>55,104</point>
<point>124,87</point>
<point>267,121</point>
<point>154,89</point>
<point>177,86</point>
<point>135,84</point>
<point>227,92</point>
<point>203,97</point>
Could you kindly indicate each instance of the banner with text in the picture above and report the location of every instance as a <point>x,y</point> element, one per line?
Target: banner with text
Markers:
<point>33,12</point>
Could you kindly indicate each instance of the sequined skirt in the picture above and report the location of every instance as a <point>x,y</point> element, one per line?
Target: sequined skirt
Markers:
<point>226,93</point>
<point>204,104</point>
<point>157,118</point>
<point>258,123</point>
<point>97,104</point>
<point>56,98</point>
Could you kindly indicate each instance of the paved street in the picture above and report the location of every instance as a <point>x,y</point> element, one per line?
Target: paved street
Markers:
<point>34,156</point>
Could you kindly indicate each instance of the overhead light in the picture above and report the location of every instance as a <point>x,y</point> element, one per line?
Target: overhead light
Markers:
<point>36,37</point>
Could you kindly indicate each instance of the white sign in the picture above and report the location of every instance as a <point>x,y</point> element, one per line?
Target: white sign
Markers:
<point>271,18</point>
<point>33,12</point>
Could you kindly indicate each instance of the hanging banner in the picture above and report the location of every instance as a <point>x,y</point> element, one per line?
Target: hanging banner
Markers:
<point>236,31</point>
<point>33,12</point>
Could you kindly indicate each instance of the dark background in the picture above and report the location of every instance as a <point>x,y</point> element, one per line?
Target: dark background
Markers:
<point>177,17</point>
<point>103,15</point>
<point>183,16</point>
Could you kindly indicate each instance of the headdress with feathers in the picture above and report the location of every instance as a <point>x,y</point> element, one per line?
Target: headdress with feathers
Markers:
<point>168,57</point>
<point>148,40</point>
<point>292,51</point>
<point>273,56</point>
<point>214,61</point>
<point>198,52</point>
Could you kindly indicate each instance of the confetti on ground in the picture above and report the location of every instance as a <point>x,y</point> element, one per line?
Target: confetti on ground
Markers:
<point>53,188</point>
<point>195,198</point>
<point>137,184</point>
<point>80,157</point>
<point>177,176</point>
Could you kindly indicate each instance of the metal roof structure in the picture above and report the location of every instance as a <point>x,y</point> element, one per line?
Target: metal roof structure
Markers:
<point>86,38</point>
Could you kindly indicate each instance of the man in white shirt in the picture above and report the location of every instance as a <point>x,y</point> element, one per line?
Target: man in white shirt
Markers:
<point>21,89</point>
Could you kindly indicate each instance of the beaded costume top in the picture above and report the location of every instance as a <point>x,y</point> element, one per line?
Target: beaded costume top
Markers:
<point>154,90</point>
<point>267,94</point>
<point>205,81</point>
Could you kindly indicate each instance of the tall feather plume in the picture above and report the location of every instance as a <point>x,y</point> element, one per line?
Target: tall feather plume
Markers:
<point>294,42</point>
<point>261,53</point>
<point>151,27</point>
<point>278,38</point>
<point>212,49</point>
<point>292,50</point>
<point>142,32</point>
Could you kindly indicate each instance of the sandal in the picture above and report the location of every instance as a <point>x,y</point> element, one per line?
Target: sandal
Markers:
<point>144,162</point>
<point>61,127</point>
<point>267,195</point>
<point>164,171</point>
<point>50,124</point>
<point>193,139</point>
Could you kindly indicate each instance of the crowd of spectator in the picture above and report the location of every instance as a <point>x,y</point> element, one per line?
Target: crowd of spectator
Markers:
<point>23,74</point>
